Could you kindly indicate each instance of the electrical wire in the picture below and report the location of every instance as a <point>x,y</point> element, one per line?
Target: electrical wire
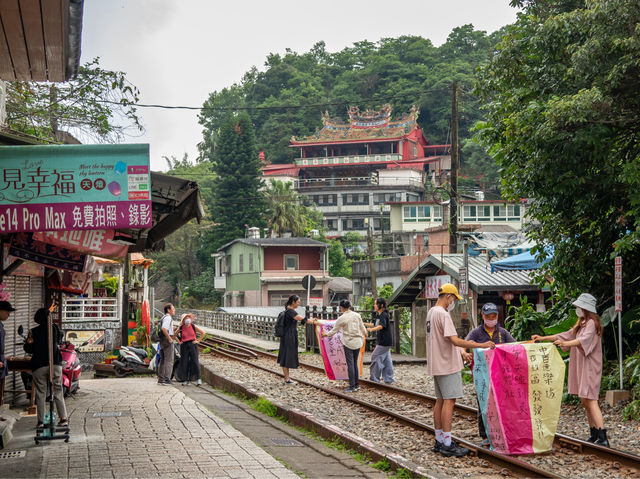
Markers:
<point>386,99</point>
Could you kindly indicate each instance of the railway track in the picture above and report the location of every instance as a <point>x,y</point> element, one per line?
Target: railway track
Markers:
<point>416,415</point>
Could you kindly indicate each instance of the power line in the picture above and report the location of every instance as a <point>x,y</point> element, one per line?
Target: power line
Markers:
<point>272,107</point>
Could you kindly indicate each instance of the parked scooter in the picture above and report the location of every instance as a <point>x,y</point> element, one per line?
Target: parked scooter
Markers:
<point>131,361</point>
<point>71,368</point>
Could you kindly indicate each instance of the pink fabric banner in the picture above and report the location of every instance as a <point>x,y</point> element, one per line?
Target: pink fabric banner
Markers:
<point>95,242</point>
<point>332,352</point>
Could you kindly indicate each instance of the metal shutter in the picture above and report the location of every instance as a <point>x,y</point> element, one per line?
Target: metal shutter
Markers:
<point>27,295</point>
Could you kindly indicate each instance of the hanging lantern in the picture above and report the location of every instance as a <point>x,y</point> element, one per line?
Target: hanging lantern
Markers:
<point>508,296</point>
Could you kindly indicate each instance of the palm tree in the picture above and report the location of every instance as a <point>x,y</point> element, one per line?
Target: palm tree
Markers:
<point>284,211</point>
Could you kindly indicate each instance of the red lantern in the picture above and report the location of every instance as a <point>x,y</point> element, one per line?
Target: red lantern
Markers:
<point>508,296</point>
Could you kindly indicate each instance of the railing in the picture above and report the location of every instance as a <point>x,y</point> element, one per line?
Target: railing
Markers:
<point>261,326</point>
<point>89,309</point>
<point>344,160</point>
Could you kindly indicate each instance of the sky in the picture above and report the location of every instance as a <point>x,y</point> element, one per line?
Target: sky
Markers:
<point>177,52</point>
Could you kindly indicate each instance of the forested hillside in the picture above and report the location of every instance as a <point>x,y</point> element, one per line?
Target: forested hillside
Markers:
<point>288,95</point>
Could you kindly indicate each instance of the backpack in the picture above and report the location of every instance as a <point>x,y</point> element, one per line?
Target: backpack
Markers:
<point>278,329</point>
<point>156,330</point>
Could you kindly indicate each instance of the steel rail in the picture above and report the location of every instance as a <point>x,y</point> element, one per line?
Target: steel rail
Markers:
<point>560,440</point>
<point>516,466</point>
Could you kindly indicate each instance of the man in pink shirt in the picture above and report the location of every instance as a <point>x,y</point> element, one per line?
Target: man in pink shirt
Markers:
<point>444,363</point>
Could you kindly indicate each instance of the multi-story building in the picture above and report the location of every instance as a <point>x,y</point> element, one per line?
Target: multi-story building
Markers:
<point>258,271</point>
<point>419,227</point>
<point>349,171</point>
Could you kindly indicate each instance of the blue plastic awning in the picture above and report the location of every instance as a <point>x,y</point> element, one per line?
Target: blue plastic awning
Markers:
<point>520,261</point>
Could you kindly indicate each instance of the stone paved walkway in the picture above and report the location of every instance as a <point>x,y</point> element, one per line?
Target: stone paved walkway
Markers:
<point>160,433</point>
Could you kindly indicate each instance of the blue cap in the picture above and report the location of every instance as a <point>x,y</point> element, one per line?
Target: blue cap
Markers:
<point>489,308</point>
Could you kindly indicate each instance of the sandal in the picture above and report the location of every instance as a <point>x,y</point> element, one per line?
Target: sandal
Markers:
<point>63,423</point>
<point>289,381</point>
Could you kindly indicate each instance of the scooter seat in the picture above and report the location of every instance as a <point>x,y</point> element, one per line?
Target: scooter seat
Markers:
<point>140,352</point>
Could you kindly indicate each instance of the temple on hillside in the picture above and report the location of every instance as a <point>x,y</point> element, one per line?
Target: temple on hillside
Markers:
<point>350,170</point>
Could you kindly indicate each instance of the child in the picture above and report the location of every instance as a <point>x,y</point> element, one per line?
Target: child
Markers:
<point>585,362</point>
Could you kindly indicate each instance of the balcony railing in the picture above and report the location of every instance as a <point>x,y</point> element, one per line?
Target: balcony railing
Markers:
<point>394,181</point>
<point>89,309</point>
<point>348,160</point>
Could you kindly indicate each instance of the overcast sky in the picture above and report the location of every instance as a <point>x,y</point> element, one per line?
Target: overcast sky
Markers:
<point>178,51</point>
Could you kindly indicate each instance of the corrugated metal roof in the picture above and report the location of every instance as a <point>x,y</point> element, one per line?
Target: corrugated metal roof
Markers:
<point>340,284</point>
<point>480,277</point>
<point>291,241</point>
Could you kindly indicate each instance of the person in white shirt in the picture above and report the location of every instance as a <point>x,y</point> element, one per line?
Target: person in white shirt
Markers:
<point>165,367</point>
<point>353,337</point>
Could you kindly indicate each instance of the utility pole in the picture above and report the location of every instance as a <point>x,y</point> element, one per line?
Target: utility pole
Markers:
<point>374,288</point>
<point>453,204</point>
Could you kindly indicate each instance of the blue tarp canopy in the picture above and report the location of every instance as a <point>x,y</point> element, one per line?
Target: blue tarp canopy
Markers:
<point>518,262</point>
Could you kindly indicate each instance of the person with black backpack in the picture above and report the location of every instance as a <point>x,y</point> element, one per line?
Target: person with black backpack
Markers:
<point>186,336</point>
<point>288,353</point>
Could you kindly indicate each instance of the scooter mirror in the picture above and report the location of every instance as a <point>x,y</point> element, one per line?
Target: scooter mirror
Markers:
<point>20,330</point>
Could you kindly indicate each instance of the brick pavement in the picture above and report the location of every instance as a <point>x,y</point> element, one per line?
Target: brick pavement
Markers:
<point>160,433</point>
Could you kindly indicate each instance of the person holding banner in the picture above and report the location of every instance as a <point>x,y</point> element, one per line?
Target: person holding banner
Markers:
<point>444,363</point>
<point>489,330</point>
<point>288,352</point>
<point>353,337</point>
<point>381,363</point>
<point>584,340</point>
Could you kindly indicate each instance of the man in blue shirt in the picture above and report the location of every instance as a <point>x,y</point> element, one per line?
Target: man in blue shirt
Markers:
<point>489,330</point>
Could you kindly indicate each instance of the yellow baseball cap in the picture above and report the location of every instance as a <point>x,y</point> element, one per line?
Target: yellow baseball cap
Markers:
<point>448,288</point>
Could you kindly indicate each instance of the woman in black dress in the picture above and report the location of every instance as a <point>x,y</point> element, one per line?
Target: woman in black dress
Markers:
<point>288,353</point>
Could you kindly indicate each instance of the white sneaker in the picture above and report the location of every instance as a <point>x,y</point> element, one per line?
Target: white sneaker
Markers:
<point>186,383</point>
<point>199,382</point>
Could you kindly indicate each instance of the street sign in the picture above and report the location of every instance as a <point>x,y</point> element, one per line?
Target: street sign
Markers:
<point>618,283</point>
<point>308,282</point>
<point>464,281</point>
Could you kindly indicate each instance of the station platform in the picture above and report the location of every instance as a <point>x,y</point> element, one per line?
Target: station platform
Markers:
<point>275,345</point>
<point>135,427</point>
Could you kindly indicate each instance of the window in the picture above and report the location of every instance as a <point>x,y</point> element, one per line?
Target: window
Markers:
<point>227,264</point>
<point>499,213</point>
<point>437,213</point>
<point>290,261</point>
<point>421,213</point>
<point>240,263</point>
<point>331,225</point>
<point>382,198</point>
<point>355,199</point>
<point>250,261</point>
<point>476,213</point>
<point>412,197</point>
<point>484,213</point>
<point>513,212</point>
<point>353,224</point>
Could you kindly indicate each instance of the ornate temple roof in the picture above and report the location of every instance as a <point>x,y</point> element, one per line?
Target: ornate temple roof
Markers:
<point>367,125</point>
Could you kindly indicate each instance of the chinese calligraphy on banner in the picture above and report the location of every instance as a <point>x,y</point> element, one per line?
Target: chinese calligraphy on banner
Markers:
<point>332,352</point>
<point>519,388</point>
<point>97,242</point>
<point>433,284</point>
<point>74,187</point>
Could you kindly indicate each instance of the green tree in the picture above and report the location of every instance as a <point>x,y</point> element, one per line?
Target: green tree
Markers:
<point>96,106</point>
<point>339,265</point>
<point>562,99</point>
<point>237,199</point>
<point>284,211</point>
